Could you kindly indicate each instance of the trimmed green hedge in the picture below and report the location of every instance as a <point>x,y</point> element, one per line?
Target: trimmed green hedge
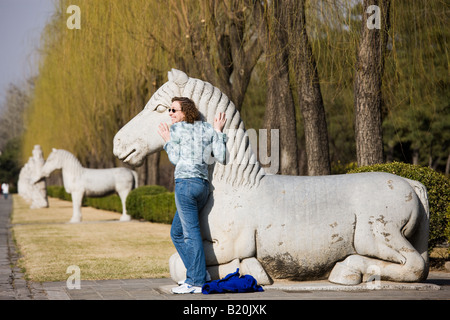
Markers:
<point>110,203</point>
<point>438,188</point>
<point>156,208</point>
<point>151,203</point>
<point>134,199</point>
<point>58,192</point>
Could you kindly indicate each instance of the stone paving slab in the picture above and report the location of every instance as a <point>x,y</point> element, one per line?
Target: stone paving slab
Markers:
<point>437,287</point>
<point>13,285</point>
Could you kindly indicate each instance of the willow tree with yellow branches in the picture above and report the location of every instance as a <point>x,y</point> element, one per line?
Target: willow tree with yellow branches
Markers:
<point>93,80</point>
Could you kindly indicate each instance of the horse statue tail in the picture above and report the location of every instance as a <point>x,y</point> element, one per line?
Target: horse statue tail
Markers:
<point>418,232</point>
<point>135,175</point>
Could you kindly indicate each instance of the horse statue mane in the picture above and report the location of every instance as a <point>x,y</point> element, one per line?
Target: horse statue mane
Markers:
<point>242,167</point>
<point>69,161</point>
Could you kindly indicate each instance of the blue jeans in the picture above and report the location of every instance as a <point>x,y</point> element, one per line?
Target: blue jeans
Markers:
<point>191,196</point>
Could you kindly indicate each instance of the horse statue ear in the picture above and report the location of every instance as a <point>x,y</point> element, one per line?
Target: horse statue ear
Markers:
<point>178,77</point>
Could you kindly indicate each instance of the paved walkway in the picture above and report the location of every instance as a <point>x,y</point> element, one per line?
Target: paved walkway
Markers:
<point>13,285</point>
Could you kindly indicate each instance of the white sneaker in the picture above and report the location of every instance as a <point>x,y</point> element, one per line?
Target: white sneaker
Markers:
<point>186,288</point>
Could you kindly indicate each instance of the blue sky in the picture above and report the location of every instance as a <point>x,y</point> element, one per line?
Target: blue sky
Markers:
<point>21,24</point>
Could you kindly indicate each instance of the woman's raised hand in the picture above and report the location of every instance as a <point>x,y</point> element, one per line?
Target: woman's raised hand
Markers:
<point>164,131</point>
<point>219,122</point>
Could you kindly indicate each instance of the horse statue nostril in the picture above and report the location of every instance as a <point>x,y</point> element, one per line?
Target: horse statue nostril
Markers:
<point>117,147</point>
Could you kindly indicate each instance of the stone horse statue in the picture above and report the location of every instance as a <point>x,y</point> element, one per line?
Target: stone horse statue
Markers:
<point>349,228</point>
<point>81,182</point>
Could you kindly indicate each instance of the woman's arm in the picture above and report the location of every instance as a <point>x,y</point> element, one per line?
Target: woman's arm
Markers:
<point>172,145</point>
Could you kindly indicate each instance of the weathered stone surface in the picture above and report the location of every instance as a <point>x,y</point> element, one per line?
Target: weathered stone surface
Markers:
<point>33,192</point>
<point>298,228</point>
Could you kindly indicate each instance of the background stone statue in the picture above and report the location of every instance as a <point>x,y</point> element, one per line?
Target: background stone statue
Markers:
<point>80,181</point>
<point>39,189</point>
<point>35,193</point>
<point>344,227</point>
<point>23,184</point>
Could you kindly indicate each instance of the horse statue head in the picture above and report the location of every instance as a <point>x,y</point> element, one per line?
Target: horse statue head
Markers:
<point>139,137</point>
<point>52,163</point>
<point>58,159</point>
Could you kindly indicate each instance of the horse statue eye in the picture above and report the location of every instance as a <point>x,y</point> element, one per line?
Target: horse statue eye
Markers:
<point>160,108</point>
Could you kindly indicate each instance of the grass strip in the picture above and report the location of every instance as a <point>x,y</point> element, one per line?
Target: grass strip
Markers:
<point>101,246</point>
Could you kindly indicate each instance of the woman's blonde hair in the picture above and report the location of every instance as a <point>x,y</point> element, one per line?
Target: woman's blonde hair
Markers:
<point>191,113</point>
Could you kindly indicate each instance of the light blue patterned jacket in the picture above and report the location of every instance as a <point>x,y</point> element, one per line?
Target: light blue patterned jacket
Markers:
<point>193,146</point>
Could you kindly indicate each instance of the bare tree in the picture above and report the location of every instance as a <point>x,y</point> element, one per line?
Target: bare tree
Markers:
<point>367,87</point>
<point>224,44</point>
<point>17,99</point>
<point>280,107</point>
<point>309,93</point>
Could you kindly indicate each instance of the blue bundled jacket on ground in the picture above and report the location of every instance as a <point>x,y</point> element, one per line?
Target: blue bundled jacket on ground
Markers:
<point>232,283</point>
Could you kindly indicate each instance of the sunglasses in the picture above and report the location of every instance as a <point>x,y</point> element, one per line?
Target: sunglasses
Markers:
<point>173,110</point>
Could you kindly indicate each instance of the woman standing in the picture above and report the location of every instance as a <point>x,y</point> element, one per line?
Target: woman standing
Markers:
<point>189,143</point>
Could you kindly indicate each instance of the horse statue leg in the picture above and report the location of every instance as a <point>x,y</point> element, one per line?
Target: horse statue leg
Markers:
<point>123,194</point>
<point>77,198</point>
<point>225,255</point>
<point>402,254</point>
<point>254,268</point>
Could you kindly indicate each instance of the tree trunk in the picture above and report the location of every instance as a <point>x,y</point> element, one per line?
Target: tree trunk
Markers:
<point>280,108</point>
<point>367,87</point>
<point>415,156</point>
<point>309,93</point>
<point>237,52</point>
<point>153,168</point>
<point>447,166</point>
<point>142,171</point>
